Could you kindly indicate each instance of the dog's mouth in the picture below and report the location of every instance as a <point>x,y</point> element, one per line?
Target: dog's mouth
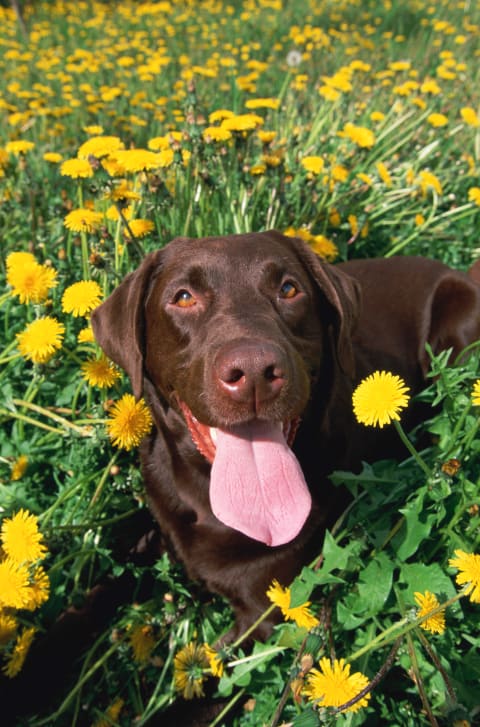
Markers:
<point>256,483</point>
<point>205,437</point>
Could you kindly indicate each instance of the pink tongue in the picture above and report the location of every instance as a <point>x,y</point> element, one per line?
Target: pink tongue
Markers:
<point>256,484</point>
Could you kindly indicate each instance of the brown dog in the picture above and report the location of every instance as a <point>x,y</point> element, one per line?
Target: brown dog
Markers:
<point>247,348</point>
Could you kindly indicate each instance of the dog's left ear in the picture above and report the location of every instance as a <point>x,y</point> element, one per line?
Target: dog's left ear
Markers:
<point>118,322</point>
<point>342,292</point>
<point>454,314</point>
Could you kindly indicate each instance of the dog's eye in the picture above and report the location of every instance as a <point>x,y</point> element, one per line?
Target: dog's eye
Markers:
<point>288,290</point>
<point>184,299</point>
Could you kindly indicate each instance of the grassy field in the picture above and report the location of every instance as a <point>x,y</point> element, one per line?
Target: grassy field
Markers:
<point>354,124</point>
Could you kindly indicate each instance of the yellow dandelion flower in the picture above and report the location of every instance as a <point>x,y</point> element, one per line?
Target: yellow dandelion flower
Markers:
<point>301,232</point>
<point>220,115</point>
<point>324,247</point>
<point>242,122</point>
<point>266,137</point>
<point>19,147</point>
<point>257,169</point>
<point>274,159</point>
<point>39,589</point>
<point>428,180</point>
<point>83,220</point>
<point>474,195</point>
<point>333,685</point>
<point>100,146</point>
<point>378,399</point>
<point>329,93</point>
<point>14,584</point>
<point>384,174</point>
<point>281,597</point>
<point>100,372</point>
<point>40,339</point>
<point>129,422</point>
<point>81,298</point>
<point>21,539</point>
<point>86,335</point>
<point>123,192</point>
<point>334,217</point>
<point>419,219</point>
<point>365,178</point>
<point>215,659</point>
<point>8,628</point>
<point>17,658</point>
<point>52,157</point>
<point>263,103</point>
<point>113,213</point>
<point>165,158</point>
<point>469,566</point>
<point>476,393</point>
<point>19,468</point>
<point>160,142</point>
<point>216,133</point>
<point>189,666</point>
<point>29,280</point>
<point>430,86</point>
<point>360,135</point>
<point>470,116</point>
<point>313,164</point>
<point>139,228</point>
<point>137,160</point>
<point>76,169</point>
<point>17,259</point>
<point>111,715</point>
<point>164,142</point>
<point>354,226</point>
<point>142,642</point>
<point>339,173</point>
<point>93,129</point>
<point>428,602</point>
<point>437,120</point>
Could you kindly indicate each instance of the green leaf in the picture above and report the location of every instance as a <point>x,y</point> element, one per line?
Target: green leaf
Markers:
<point>421,577</point>
<point>376,583</point>
<point>416,530</point>
<point>334,556</point>
<point>368,599</point>
<point>307,718</point>
<point>261,655</point>
<point>301,589</point>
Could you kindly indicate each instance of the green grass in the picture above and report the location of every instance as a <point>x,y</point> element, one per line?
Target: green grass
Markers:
<point>141,71</point>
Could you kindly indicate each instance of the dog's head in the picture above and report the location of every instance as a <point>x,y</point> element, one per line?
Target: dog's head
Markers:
<point>234,332</point>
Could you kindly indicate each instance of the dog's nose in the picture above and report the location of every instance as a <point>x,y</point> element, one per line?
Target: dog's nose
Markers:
<point>251,371</point>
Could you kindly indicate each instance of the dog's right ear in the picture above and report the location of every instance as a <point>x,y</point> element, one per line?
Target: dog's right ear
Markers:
<point>118,322</point>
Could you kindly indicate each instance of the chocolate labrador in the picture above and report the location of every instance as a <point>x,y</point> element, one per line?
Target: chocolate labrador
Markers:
<point>247,349</point>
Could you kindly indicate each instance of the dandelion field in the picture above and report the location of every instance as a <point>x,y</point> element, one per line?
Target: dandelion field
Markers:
<point>355,125</point>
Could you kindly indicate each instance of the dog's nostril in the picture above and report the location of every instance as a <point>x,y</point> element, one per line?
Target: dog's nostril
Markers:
<point>234,376</point>
<point>272,373</point>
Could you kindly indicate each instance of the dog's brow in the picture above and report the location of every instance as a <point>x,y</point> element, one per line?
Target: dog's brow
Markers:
<point>197,275</point>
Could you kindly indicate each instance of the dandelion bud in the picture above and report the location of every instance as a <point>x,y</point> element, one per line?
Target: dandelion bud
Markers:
<point>306,663</point>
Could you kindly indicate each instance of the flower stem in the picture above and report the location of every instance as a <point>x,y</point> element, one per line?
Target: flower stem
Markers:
<point>83,431</point>
<point>252,628</point>
<point>255,657</point>
<point>227,708</point>
<point>29,420</point>
<point>421,463</point>
<point>419,682</point>
<point>405,625</point>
